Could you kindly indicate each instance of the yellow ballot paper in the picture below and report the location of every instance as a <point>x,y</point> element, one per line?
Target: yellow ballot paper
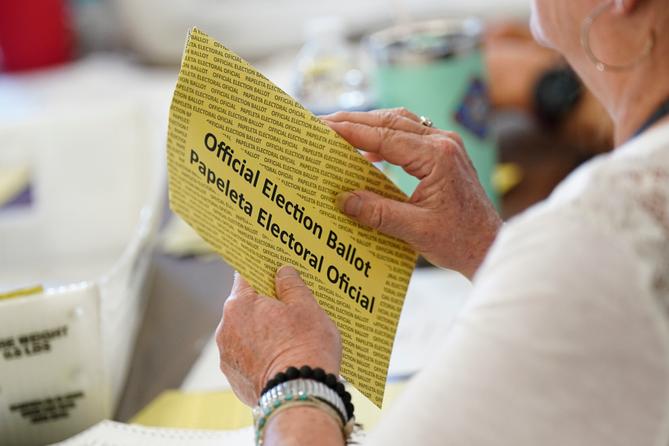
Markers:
<point>256,175</point>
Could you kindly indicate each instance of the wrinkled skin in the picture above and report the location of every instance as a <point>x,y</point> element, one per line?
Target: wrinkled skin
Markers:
<point>259,336</point>
<point>448,218</point>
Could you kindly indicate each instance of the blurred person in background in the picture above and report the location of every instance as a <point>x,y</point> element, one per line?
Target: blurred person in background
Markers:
<point>516,64</point>
<point>565,339</point>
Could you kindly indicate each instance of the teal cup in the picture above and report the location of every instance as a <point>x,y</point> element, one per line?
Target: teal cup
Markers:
<point>435,69</point>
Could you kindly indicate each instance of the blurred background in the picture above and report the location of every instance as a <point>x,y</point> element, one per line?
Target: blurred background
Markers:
<point>85,88</point>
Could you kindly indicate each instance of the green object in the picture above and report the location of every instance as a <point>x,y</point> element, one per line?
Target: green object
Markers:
<point>435,69</point>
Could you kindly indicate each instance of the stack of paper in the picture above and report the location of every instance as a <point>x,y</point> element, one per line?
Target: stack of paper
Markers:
<point>109,433</point>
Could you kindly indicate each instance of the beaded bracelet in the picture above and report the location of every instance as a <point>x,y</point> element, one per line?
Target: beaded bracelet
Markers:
<point>261,423</point>
<point>302,389</point>
<point>317,374</point>
<point>300,392</point>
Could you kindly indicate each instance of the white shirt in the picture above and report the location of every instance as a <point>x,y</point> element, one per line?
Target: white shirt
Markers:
<point>565,340</point>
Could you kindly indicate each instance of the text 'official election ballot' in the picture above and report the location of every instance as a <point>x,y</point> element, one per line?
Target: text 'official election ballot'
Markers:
<point>256,175</point>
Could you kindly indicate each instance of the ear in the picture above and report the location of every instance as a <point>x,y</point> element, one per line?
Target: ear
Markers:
<point>625,7</point>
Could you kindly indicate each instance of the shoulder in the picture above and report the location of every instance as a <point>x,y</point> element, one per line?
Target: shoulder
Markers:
<point>635,170</point>
<point>606,225</point>
<point>624,194</point>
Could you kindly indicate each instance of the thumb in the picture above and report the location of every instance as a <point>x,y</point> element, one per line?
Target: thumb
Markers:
<point>289,286</point>
<point>391,217</point>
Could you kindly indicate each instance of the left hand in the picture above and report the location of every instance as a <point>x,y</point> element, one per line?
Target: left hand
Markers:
<point>448,219</point>
<point>259,336</point>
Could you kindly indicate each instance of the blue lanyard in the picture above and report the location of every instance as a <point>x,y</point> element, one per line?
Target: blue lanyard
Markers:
<point>660,112</point>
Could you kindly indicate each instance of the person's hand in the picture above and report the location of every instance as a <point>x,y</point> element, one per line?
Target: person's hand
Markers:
<point>448,218</point>
<point>259,336</point>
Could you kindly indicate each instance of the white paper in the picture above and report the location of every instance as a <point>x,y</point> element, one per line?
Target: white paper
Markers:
<point>434,299</point>
<point>110,433</point>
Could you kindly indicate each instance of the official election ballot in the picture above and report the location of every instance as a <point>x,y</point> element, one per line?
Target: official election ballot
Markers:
<point>256,175</point>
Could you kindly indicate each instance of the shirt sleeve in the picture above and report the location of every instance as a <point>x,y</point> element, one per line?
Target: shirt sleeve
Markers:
<point>560,344</point>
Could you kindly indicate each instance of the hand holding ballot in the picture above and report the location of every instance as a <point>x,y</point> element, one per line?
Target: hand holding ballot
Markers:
<point>259,336</point>
<point>448,219</point>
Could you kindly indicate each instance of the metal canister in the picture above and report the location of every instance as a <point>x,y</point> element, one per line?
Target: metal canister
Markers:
<point>435,69</point>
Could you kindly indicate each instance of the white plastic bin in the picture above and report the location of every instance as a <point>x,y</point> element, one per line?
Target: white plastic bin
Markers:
<point>52,376</point>
<point>96,174</point>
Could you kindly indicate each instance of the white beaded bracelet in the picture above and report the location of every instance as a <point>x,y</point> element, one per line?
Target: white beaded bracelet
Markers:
<point>300,392</point>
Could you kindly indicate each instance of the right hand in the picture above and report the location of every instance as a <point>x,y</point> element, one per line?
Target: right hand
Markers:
<point>259,336</point>
<point>449,218</point>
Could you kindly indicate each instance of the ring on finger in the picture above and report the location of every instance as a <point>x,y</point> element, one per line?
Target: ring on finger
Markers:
<point>427,122</point>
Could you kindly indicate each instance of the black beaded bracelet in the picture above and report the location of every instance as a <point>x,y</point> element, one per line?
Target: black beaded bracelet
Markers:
<point>317,374</point>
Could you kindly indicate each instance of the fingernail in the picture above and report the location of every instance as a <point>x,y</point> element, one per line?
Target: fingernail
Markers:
<point>349,203</point>
<point>287,271</point>
<point>236,284</point>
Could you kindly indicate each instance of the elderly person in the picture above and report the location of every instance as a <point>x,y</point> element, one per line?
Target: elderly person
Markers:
<point>566,338</point>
